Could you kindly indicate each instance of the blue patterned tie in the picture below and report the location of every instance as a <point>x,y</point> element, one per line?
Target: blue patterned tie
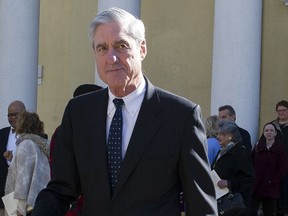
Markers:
<point>114,145</point>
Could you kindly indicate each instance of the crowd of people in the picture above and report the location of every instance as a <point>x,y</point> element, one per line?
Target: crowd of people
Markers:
<point>258,172</point>
<point>133,148</point>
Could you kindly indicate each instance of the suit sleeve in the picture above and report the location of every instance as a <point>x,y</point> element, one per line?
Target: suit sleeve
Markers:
<point>194,169</point>
<point>63,188</point>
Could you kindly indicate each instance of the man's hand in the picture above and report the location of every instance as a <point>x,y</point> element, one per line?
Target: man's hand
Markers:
<point>222,183</point>
<point>8,155</point>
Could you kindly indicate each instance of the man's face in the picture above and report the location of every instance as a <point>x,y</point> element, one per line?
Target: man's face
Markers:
<point>282,112</point>
<point>119,58</point>
<point>224,115</point>
<point>13,113</point>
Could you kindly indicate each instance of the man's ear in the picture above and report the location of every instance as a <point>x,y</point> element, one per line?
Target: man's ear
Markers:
<point>143,49</point>
<point>93,49</point>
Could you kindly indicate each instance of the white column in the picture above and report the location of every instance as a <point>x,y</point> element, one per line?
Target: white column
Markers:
<point>236,60</point>
<point>132,6</point>
<point>19,30</point>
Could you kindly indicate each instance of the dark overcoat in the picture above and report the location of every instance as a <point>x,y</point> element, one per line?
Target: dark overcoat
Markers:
<point>270,167</point>
<point>236,167</point>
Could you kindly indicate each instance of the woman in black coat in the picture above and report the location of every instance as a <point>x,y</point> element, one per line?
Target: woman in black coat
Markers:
<point>233,163</point>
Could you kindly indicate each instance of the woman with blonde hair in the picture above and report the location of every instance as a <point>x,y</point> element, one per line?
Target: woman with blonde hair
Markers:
<point>29,171</point>
<point>212,126</point>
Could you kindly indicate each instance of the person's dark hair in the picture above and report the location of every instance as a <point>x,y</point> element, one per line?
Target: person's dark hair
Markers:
<point>86,88</point>
<point>262,137</point>
<point>282,103</point>
<point>29,122</point>
<point>269,123</point>
<point>229,108</point>
<point>231,127</point>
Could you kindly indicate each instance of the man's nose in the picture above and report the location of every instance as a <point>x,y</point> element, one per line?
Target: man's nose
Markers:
<point>112,56</point>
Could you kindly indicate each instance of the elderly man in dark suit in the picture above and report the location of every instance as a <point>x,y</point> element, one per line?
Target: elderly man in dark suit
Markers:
<point>162,138</point>
<point>7,144</point>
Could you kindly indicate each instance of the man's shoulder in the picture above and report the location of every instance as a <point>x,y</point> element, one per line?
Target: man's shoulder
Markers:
<point>243,131</point>
<point>90,98</point>
<point>170,97</point>
<point>4,134</point>
<point>4,130</point>
<point>94,94</point>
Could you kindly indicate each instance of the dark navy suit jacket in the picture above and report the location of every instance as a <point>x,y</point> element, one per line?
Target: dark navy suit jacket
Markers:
<point>166,149</point>
<point>4,135</point>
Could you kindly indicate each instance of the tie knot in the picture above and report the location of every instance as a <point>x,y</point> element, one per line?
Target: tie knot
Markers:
<point>118,102</point>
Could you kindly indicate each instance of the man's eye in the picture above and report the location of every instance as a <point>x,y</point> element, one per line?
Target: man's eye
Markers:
<point>121,47</point>
<point>101,50</point>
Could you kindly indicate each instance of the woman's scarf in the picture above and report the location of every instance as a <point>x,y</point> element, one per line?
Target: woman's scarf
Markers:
<point>42,143</point>
<point>225,149</point>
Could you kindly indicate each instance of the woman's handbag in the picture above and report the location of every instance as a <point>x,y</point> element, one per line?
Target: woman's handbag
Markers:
<point>231,204</point>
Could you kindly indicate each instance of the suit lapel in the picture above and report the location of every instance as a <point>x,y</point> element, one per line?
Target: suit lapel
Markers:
<point>145,128</point>
<point>3,141</point>
<point>97,139</point>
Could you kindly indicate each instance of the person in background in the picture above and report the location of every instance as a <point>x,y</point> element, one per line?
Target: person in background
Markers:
<point>7,145</point>
<point>233,163</point>
<point>80,90</point>
<point>270,163</point>
<point>76,208</point>
<point>227,112</point>
<point>212,126</point>
<point>29,171</point>
<point>281,123</point>
<point>158,137</point>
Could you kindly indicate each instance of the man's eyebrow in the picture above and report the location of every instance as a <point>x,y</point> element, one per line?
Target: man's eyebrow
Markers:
<point>115,43</point>
<point>120,42</point>
<point>100,45</point>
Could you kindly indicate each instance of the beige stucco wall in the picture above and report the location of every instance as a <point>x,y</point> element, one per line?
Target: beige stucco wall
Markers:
<point>179,37</point>
<point>65,54</point>
<point>274,71</point>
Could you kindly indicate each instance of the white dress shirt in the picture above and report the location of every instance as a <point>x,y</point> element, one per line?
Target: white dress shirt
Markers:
<point>11,144</point>
<point>130,111</point>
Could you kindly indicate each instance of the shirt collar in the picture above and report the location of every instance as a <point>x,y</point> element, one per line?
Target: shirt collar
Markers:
<point>132,101</point>
<point>12,130</point>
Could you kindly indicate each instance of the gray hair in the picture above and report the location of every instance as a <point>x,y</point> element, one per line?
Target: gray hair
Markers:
<point>212,126</point>
<point>226,126</point>
<point>132,26</point>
